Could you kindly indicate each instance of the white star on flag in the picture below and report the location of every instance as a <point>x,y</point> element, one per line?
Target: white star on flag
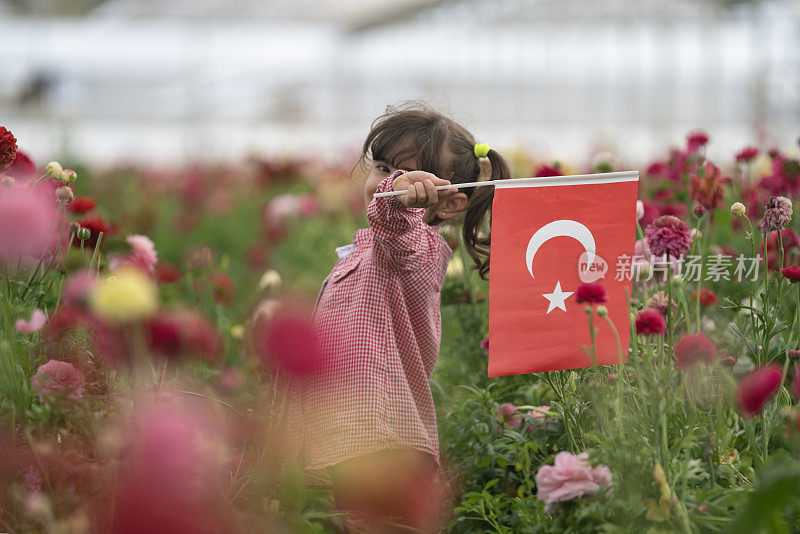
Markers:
<point>557,298</point>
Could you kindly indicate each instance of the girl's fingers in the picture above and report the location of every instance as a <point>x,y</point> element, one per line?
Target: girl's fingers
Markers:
<point>431,193</point>
<point>419,198</point>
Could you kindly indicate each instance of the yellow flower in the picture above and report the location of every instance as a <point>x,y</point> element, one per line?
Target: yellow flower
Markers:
<point>126,296</point>
<point>455,267</point>
<point>237,331</point>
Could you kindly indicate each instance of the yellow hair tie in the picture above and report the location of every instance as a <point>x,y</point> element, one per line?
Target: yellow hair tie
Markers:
<point>481,150</point>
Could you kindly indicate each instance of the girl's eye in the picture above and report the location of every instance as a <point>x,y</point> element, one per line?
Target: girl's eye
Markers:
<point>382,168</point>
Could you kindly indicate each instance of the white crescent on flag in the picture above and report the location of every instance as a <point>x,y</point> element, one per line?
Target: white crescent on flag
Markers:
<point>560,228</point>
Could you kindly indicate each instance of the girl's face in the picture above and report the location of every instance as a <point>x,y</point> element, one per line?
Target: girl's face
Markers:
<point>378,172</point>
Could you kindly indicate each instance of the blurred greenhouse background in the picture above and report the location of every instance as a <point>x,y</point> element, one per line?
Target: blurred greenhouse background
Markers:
<point>168,81</point>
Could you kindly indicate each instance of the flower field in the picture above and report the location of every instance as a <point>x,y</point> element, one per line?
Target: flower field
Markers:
<point>151,316</point>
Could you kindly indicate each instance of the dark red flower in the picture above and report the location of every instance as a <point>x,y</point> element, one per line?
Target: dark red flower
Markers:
<point>95,224</point>
<point>547,170</point>
<point>695,140</point>
<point>694,348</point>
<point>23,167</point>
<point>748,153</point>
<point>650,322</point>
<point>593,293</point>
<point>792,273</point>
<point>166,273</point>
<point>8,149</point>
<point>757,388</point>
<point>184,333</point>
<point>287,341</point>
<point>707,297</point>
<point>81,205</point>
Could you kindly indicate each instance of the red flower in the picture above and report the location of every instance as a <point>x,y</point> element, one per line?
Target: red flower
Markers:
<point>792,273</point>
<point>8,149</point>
<point>757,388</point>
<point>546,170</point>
<point>223,287</point>
<point>650,322</point>
<point>95,224</point>
<point>657,168</point>
<point>668,234</point>
<point>707,297</point>
<point>791,243</point>
<point>507,414</point>
<point>23,167</point>
<point>593,293</point>
<point>707,186</point>
<point>184,332</point>
<point>748,153</point>
<point>695,140</point>
<point>288,342</point>
<point>694,348</point>
<point>81,205</point>
<point>166,273</point>
<point>796,382</point>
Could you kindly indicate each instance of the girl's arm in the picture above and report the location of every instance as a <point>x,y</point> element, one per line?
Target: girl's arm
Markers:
<point>400,238</point>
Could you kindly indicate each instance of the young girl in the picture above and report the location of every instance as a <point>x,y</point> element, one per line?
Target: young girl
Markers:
<point>367,422</point>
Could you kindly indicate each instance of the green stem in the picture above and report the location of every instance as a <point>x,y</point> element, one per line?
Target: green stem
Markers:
<point>94,254</point>
<point>616,337</point>
<point>765,342</point>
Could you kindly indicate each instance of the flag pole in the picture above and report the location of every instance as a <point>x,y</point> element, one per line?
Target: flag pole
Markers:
<point>510,181</point>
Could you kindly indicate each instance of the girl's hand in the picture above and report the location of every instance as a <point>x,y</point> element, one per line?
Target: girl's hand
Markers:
<point>421,187</point>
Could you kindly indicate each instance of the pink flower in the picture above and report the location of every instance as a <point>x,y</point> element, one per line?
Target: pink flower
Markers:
<point>507,414</point>
<point>694,348</point>
<point>77,287</point>
<point>144,255</point>
<point>171,476</point>
<point>289,342</point>
<point>639,210</point>
<point>59,380</point>
<point>757,388</point>
<point>659,302</point>
<point>38,318</point>
<point>650,322</point>
<point>570,477</point>
<point>777,214</point>
<point>25,219</point>
<point>668,234</point>
<point>485,345</point>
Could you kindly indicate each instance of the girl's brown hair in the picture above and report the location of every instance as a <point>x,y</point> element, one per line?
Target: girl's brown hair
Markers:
<point>445,148</point>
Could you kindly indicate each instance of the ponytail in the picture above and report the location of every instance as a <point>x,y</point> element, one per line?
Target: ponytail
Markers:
<point>478,244</point>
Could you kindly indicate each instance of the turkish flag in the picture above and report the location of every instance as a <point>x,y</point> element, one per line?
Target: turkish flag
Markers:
<point>549,235</point>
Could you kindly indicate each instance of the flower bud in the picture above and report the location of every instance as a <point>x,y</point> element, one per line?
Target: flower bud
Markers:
<point>699,210</point>
<point>68,176</point>
<point>237,331</point>
<point>677,280</point>
<point>738,209</point>
<point>64,195</point>
<point>587,310</point>
<point>602,311</point>
<point>8,181</point>
<point>53,170</point>
<point>639,210</point>
<point>83,233</point>
<point>271,279</point>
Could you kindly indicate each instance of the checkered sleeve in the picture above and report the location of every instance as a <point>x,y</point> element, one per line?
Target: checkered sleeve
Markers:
<point>402,239</point>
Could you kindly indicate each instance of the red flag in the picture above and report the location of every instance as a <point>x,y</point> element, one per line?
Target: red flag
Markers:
<point>542,229</point>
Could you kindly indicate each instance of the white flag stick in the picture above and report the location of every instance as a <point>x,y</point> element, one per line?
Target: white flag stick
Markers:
<point>548,180</point>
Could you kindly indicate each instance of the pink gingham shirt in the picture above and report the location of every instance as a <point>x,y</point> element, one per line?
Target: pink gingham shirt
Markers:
<point>380,324</point>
